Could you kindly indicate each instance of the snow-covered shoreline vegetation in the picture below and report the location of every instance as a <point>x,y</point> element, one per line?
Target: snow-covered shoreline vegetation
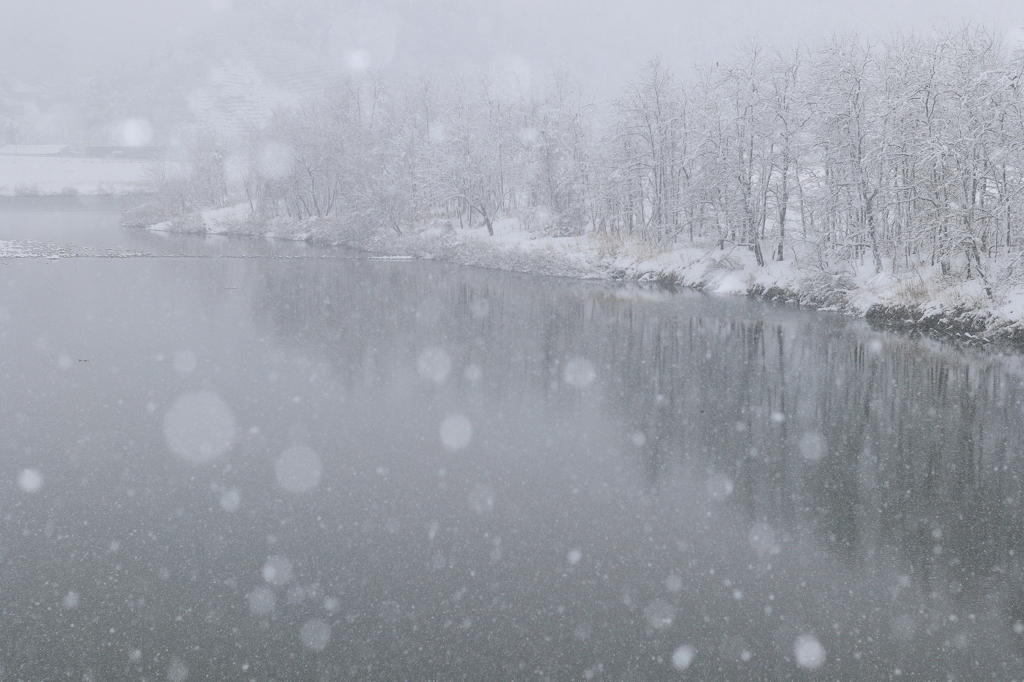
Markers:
<point>878,178</point>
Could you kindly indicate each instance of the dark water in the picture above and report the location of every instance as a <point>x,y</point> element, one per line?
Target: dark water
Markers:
<point>320,469</point>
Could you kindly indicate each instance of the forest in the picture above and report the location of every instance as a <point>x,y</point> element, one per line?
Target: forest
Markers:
<point>901,153</point>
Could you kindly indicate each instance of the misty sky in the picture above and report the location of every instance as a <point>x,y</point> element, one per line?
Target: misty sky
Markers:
<point>602,42</point>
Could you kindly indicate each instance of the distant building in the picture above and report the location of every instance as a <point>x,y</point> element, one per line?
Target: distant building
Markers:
<point>123,152</point>
<point>33,114</point>
<point>36,150</point>
<point>24,100</point>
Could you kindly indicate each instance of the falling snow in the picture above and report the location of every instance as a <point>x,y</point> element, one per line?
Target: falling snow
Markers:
<point>71,600</point>
<point>278,570</point>
<point>30,480</point>
<point>456,432</point>
<point>659,614</point>
<point>682,657</point>
<point>315,634</point>
<point>262,423</point>
<point>808,652</point>
<point>434,364</point>
<point>199,427</point>
<point>298,469</point>
<point>262,600</point>
<point>231,500</point>
<point>579,373</point>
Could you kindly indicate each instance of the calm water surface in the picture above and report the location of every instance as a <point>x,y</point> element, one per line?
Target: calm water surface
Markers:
<point>326,468</point>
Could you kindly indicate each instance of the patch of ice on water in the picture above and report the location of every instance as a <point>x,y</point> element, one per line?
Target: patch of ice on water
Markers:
<point>18,248</point>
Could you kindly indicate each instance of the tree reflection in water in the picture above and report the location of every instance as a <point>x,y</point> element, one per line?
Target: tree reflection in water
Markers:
<point>446,473</point>
<point>801,473</point>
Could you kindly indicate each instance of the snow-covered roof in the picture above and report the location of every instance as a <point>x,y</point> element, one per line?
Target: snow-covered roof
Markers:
<point>33,149</point>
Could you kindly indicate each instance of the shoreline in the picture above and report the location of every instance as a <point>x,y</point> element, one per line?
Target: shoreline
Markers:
<point>106,202</point>
<point>944,309</point>
<point>961,324</point>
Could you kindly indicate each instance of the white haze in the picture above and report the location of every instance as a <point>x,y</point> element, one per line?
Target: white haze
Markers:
<point>601,43</point>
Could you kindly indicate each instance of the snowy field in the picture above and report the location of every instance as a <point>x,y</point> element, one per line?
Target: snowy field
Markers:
<point>56,175</point>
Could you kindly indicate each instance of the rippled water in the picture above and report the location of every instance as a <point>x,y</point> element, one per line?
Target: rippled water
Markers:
<point>320,468</point>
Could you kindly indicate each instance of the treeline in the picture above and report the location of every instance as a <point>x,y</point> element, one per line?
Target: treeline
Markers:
<point>901,152</point>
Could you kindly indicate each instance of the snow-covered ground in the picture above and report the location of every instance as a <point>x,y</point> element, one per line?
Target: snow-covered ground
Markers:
<point>70,175</point>
<point>227,220</point>
<point>922,298</point>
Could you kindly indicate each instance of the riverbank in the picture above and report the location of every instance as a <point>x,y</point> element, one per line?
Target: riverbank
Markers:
<point>923,300</point>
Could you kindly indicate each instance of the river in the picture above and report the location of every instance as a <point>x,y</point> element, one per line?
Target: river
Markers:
<point>235,459</point>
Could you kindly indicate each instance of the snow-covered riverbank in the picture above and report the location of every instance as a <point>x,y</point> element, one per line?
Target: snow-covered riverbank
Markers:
<point>923,300</point>
<point>974,310</point>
